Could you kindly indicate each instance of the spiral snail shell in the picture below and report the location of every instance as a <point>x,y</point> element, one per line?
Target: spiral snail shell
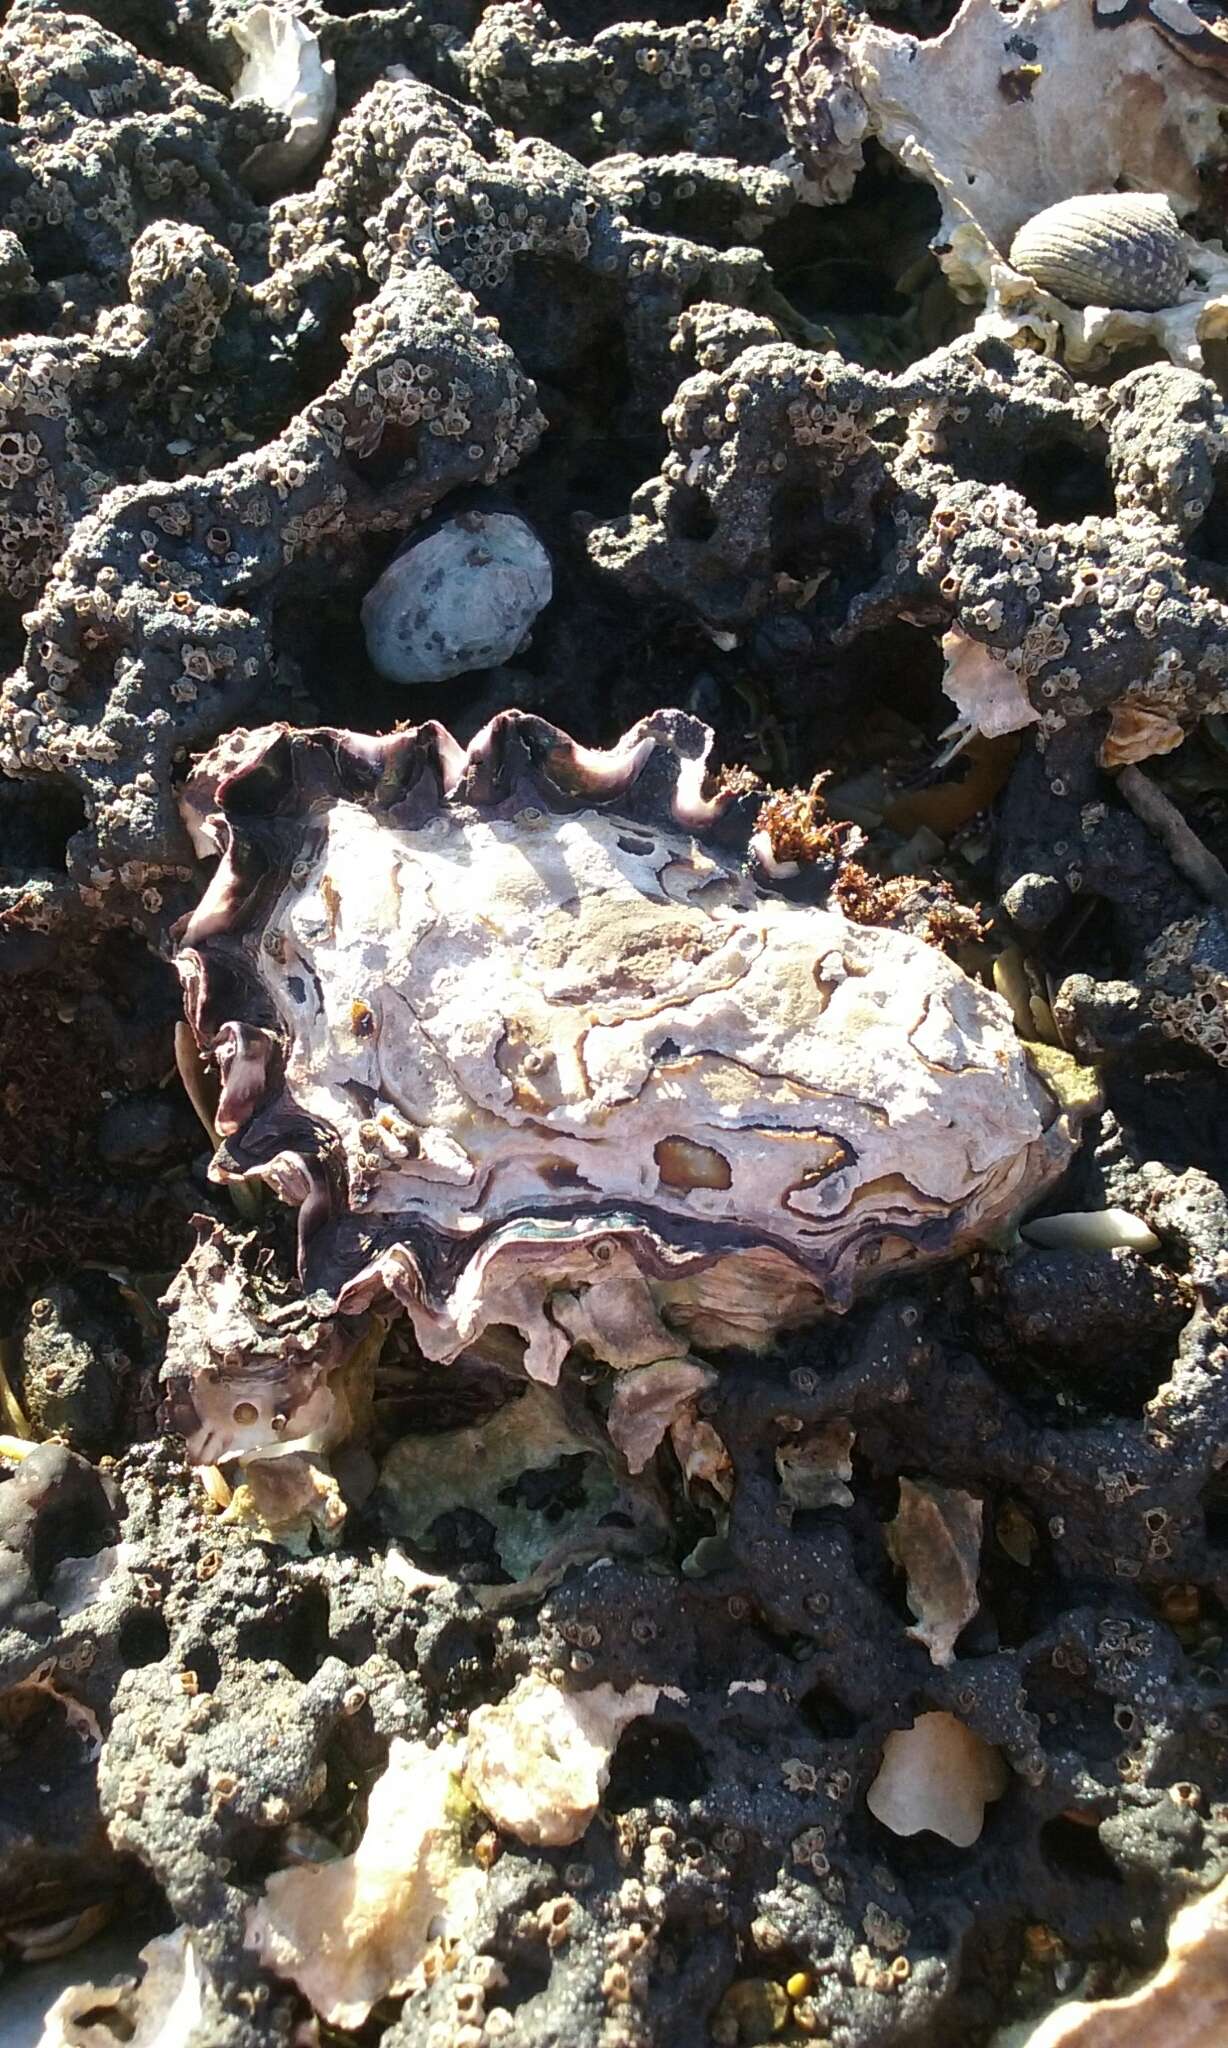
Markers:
<point>1121,249</point>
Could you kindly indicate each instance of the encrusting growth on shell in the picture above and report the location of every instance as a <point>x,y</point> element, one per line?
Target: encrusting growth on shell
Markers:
<point>530,1038</point>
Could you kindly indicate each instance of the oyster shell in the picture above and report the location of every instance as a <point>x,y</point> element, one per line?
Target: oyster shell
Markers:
<point>282,68</point>
<point>532,1038</point>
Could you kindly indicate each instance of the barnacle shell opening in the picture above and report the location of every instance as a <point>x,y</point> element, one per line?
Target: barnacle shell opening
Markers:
<point>532,1041</point>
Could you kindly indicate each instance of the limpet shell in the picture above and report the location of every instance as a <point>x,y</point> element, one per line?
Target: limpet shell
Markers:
<point>1120,249</point>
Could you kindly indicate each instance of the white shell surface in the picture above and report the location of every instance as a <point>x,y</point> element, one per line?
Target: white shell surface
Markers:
<point>283,69</point>
<point>538,1015</point>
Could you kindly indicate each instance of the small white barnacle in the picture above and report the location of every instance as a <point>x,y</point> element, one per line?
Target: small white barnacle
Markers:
<point>1117,249</point>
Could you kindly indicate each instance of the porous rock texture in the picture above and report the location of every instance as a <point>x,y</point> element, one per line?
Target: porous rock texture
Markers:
<point>663,290</point>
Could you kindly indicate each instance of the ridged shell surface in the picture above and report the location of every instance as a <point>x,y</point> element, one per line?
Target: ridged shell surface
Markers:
<point>1120,249</point>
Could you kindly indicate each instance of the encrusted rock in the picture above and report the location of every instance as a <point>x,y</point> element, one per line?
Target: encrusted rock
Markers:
<point>70,1375</point>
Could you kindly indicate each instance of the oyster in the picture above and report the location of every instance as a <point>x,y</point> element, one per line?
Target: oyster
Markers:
<point>283,69</point>
<point>544,1037</point>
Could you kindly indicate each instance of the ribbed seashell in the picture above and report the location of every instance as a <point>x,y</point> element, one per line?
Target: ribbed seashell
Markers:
<point>1122,249</point>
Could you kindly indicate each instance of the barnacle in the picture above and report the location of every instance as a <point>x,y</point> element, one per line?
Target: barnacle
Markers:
<point>534,1036</point>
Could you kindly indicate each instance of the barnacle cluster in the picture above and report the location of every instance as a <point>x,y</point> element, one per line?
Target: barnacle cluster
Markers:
<point>569,1509</point>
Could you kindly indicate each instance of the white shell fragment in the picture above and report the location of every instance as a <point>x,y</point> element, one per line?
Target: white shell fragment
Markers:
<point>1106,249</point>
<point>159,2011</point>
<point>283,69</point>
<point>647,1401</point>
<point>349,1932</point>
<point>937,1775</point>
<point>936,1540</point>
<point>989,696</point>
<point>1183,2005</point>
<point>538,1762</point>
<point>1090,1230</point>
<point>462,599</point>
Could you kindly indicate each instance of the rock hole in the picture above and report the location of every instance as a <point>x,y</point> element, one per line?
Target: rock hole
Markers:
<point>926,1864</point>
<point>77,1524</point>
<point>37,821</point>
<point>143,1639</point>
<point>865,271</point>
<point>1074,1848</point>
<point>1208,543</point>
<point>654,1762</point>
<point>1063,481</point>
<point>806,541</point>
<point>206,1667</point>
<point>1215,1522</point>
<point>397,447</point>
<point>823,1710</point>
<point>1072,1713</point>
<point>902,667</point>
<point>692,517</point>
<point>297,1636</point>
<point>528,1974</point>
